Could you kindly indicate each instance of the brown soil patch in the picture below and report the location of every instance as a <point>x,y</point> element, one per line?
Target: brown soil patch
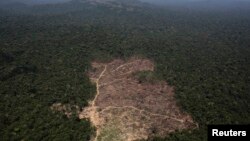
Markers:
<point>126,110</point>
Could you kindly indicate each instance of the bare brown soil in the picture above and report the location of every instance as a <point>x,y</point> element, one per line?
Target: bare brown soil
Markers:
<point>125,109</point>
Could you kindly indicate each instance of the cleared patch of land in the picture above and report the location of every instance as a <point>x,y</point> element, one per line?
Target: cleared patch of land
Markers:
<point>126,109</point>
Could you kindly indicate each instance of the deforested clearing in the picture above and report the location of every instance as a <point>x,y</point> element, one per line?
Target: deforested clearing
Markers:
<point>128,109</point>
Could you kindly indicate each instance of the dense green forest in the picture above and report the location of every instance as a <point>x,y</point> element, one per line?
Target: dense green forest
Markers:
<point>46,50</point>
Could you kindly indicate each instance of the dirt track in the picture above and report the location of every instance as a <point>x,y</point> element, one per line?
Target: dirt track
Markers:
<point>125,109</point>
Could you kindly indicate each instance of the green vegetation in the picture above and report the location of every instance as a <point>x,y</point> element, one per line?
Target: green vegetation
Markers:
<point>146,77</point>
<point>111,132</point>
<point>45,52</point>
